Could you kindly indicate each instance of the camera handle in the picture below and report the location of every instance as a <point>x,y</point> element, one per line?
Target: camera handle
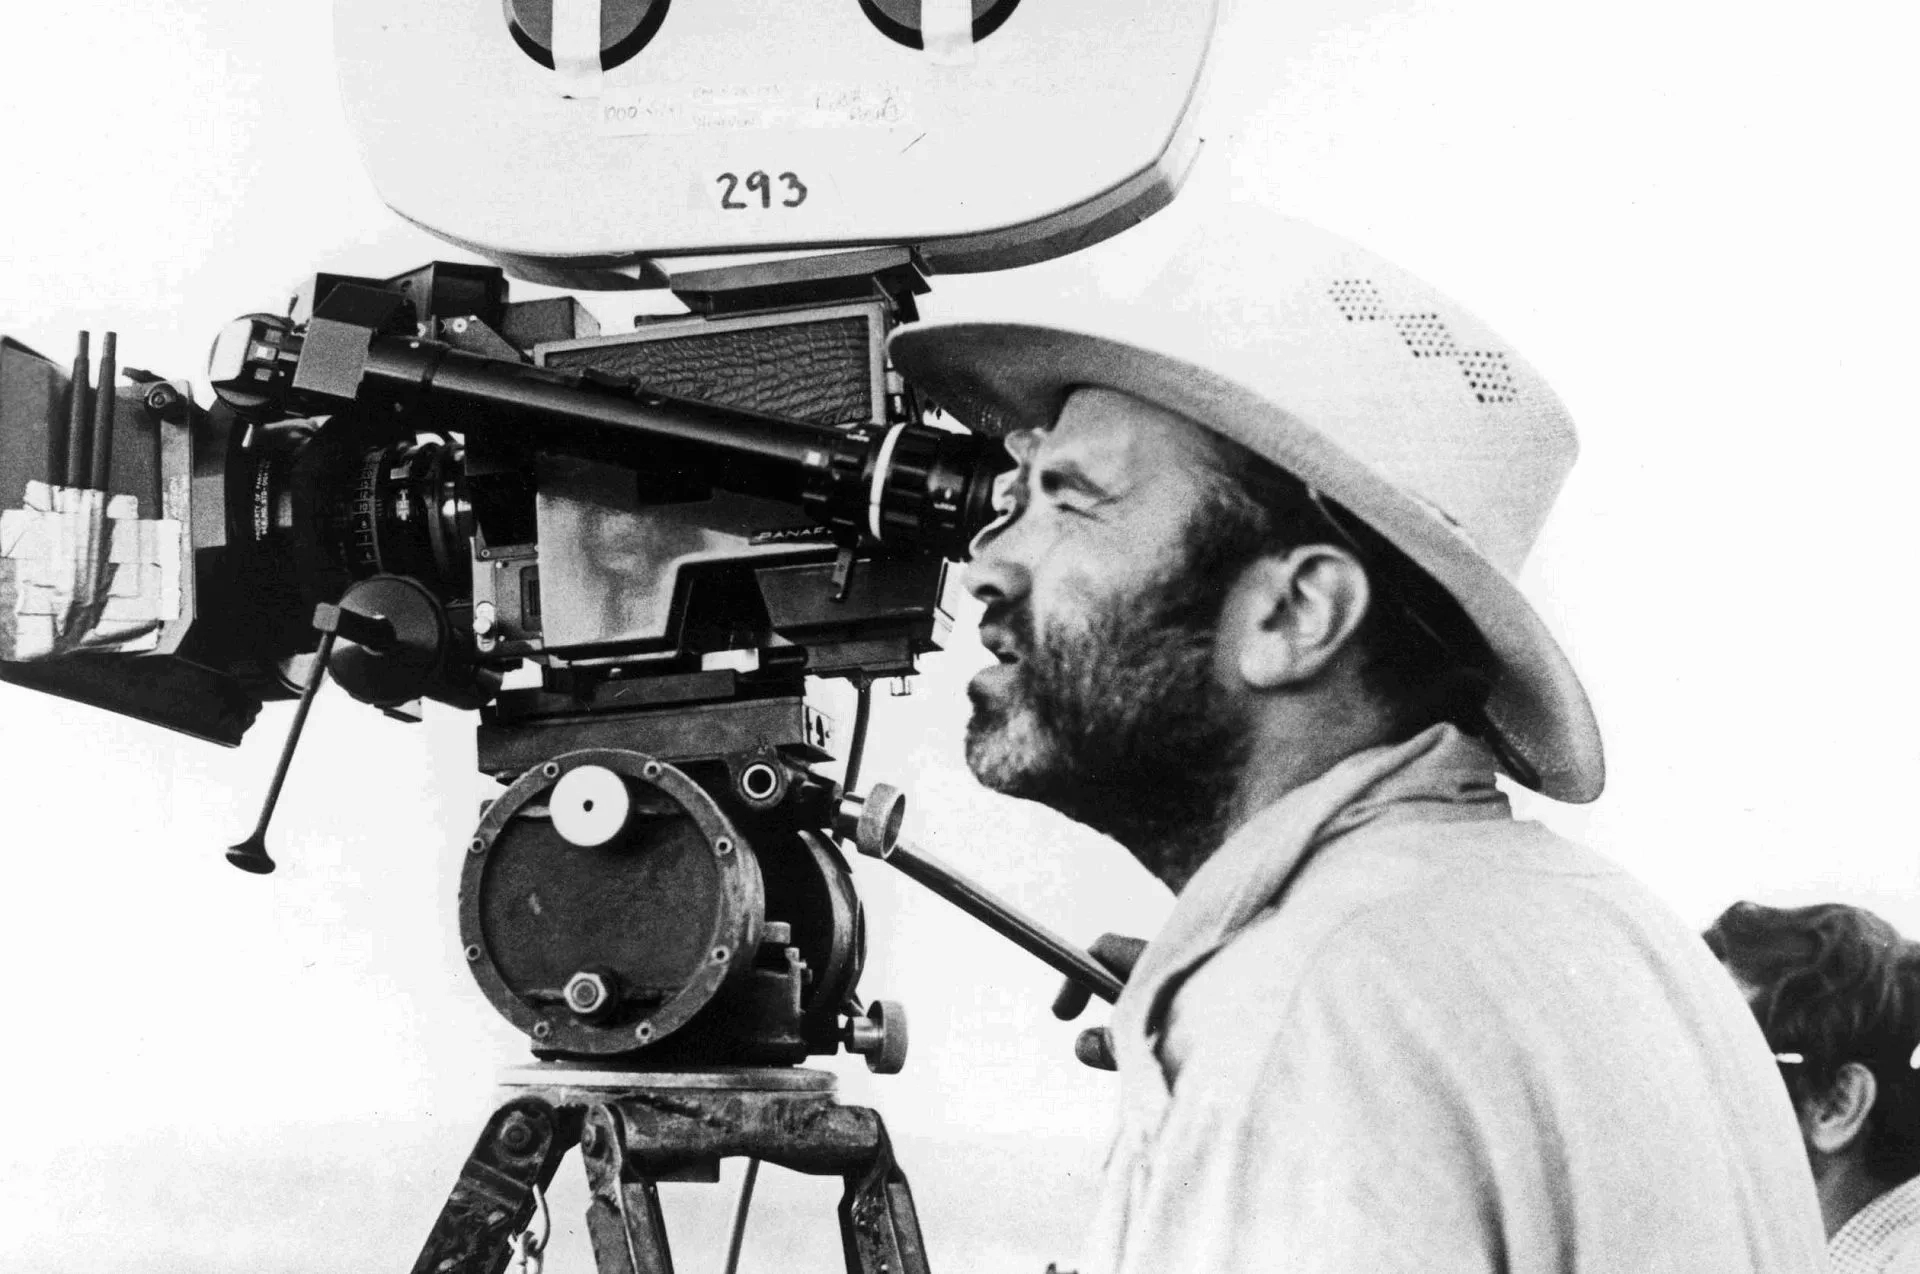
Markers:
<point>873,823</point>
<point>371,631</point>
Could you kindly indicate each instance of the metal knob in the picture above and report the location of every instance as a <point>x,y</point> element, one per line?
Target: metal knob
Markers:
<point>872,822</point>
<point>880,1035</point>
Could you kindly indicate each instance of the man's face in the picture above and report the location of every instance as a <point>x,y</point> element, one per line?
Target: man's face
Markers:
<point>1105,703</point>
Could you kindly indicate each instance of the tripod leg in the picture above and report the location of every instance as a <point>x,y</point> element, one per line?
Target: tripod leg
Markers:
<point>879,1230</point>
<point>494,1198</point>
<point>623,1218</point>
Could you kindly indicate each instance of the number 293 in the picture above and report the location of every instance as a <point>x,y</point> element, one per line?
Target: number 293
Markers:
<point>739,193</point>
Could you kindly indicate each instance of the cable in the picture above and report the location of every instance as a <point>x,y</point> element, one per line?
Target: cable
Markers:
<point>740,1216</point>
<point>862,712</point>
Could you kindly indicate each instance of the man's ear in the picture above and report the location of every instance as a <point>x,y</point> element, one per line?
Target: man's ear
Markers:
<point>1836,1119</point>
<point>1291,614</point>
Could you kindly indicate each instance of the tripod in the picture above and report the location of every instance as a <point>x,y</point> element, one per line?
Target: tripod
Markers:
<point>635,1128</point>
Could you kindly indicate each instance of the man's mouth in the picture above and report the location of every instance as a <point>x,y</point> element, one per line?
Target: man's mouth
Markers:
<point>1001,645</point>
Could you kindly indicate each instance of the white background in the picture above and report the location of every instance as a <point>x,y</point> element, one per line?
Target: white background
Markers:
<point>1695,219</point>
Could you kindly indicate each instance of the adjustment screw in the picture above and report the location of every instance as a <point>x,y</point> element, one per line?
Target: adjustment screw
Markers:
<point>518,1134</point>
<point>592,1141</point>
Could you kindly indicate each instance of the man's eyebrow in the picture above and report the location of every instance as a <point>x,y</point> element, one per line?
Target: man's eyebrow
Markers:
<point>1053,475</point>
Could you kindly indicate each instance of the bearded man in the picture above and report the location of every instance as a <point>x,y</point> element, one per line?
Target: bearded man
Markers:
<point>1251,595</point>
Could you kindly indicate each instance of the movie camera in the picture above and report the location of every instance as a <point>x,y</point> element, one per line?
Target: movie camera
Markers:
<point>389,489</point>
<point>628,552</point>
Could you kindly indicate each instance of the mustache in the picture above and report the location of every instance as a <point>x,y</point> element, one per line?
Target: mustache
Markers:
<point>1013,620</point>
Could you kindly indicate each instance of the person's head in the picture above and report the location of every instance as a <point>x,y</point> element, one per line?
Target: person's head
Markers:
<point>1169,607</point>
<point>1837,994</point>
<point>1271,498</point>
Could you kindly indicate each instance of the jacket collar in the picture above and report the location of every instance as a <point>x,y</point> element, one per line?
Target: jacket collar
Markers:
<point>1440,775</point>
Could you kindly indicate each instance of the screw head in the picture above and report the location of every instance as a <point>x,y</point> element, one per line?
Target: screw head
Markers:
<point>518,1134</point>
<point>592,1141</point>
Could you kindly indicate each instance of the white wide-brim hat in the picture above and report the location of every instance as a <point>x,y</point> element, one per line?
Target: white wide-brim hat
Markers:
<point>1344,370</point>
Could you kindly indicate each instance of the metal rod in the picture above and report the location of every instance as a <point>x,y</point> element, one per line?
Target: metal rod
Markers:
<point>1003,919</point>
<point>762,454</point>
<point>70,458</point>
<point>100,470</point>
<point>740,1216</point>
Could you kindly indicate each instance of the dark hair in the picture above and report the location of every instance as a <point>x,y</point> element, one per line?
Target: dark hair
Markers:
<point>1422,657</point>
<point>1836,984</point>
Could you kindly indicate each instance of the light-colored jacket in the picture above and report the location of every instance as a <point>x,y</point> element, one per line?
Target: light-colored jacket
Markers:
<point>1387,1027</point>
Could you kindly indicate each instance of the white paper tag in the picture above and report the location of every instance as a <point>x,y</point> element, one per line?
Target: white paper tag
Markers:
<point>946,31</point>
<point>87,573</point>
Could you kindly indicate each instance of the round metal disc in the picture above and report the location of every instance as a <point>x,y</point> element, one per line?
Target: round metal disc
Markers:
<point>590,806</point>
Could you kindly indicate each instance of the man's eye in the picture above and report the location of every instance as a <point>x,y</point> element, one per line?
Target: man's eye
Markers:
<point>1063,496</point>
<point>1006,493</point>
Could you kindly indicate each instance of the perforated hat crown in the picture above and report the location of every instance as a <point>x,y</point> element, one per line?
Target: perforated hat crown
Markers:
<point>1348,372</point>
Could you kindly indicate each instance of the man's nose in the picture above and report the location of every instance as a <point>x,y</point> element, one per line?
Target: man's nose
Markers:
<point>993,572</point>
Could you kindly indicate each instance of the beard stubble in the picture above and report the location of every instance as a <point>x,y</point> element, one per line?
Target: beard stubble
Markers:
<point>1119,721</point>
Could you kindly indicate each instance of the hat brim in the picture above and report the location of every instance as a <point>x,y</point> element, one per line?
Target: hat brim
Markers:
<point>999,377</point>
